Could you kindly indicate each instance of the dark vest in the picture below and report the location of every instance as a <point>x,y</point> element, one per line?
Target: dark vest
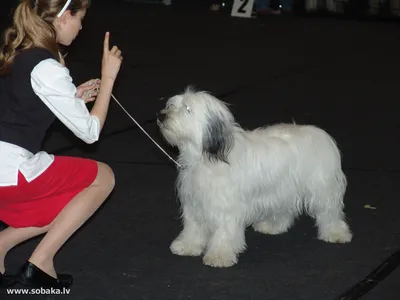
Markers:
<point>24,118</point>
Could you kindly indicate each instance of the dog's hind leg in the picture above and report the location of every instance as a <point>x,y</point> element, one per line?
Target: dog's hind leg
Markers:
<point>275,224</point>
<point>225,245</point>
<point>192,239</point>
<point>325,204</point>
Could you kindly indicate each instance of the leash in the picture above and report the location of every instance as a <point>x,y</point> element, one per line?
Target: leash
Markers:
<point>144,131</point>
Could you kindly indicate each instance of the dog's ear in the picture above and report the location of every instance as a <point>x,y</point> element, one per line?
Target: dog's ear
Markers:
<point>218,139</point>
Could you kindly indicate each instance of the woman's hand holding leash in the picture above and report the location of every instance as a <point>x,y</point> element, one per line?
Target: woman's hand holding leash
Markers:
<point>88,90</point>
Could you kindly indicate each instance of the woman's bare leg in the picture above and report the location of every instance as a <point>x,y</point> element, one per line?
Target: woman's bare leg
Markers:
<point>73,216</point>
<point>10,237</point>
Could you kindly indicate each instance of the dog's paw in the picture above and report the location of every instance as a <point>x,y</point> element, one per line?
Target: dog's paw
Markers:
<point>220,259</point>
<point>182,248</point>
<point>341,234</point>
<point>266,227</point>
<point>337,237</point>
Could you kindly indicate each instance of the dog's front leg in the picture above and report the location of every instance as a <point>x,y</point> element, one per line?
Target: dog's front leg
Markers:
<point>225,245</point>
<point>192,239</point>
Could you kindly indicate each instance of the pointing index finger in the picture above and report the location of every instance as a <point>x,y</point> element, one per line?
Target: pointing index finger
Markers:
<point>106,42</point>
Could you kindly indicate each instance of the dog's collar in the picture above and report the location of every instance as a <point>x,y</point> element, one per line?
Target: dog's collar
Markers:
<point>183,167</point>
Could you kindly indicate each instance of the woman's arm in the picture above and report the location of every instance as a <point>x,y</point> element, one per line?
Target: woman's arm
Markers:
<point>52,83</point>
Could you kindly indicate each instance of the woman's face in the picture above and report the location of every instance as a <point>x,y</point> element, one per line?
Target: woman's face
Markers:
<point>68,26</point>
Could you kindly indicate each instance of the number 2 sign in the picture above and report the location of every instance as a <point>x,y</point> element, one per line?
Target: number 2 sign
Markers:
<point>242,8</point>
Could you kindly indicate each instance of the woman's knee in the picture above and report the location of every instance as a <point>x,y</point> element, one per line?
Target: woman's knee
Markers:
<point>105,176</point>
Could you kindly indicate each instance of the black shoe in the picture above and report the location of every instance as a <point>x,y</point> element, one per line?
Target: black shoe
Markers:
<point>7,281</point>
<point>32,276</point>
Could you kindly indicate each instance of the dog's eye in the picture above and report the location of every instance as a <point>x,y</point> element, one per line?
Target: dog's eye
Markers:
<point>187,109</point>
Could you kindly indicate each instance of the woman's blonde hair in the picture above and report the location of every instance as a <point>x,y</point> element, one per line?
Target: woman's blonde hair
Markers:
<point>33,27</point>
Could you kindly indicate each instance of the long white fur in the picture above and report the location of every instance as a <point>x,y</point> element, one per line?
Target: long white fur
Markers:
<point>233,178</point>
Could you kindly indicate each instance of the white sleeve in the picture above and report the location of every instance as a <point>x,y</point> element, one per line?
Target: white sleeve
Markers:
<point>53,84</point>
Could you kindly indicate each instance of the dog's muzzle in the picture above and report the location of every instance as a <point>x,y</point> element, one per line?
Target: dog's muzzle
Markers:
<point>161,117</point>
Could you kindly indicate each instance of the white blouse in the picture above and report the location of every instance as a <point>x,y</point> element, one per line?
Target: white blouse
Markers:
<point>53,84</point>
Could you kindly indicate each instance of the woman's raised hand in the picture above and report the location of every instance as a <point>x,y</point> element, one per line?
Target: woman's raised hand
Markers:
<point>112,59</point>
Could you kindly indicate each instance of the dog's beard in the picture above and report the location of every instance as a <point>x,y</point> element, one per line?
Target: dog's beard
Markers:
<point>170,137</point>
<point>172,131</point>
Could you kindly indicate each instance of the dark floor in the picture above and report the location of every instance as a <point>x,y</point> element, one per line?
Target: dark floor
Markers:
<point>341,75</point>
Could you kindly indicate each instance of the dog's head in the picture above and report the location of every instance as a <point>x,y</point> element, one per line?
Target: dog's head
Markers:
<point>200,121</point>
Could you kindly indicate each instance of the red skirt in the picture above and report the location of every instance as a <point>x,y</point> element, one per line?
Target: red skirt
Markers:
<point>37,203</point>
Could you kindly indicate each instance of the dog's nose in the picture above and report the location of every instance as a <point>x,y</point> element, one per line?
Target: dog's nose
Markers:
<point>161,117</point>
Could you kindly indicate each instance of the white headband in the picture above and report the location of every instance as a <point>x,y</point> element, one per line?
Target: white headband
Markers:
<point>64,8</point>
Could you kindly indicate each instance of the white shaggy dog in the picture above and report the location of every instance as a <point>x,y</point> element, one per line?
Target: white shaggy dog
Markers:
<point>232,178</point>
